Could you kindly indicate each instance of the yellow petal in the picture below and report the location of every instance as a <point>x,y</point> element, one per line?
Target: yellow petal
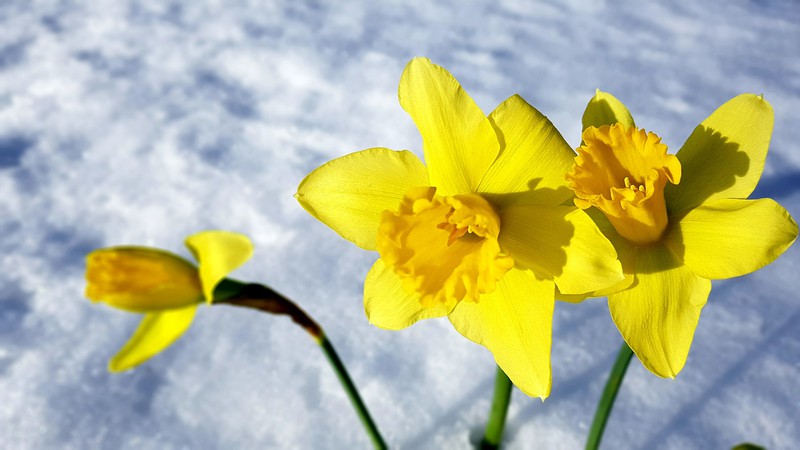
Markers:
<point>457,138</point>
<point>658,315</point>
<point>218,253</point>
<point>156,332</point>
<point>531,167</point>
<point>728,238</point>
<point>626,253</point>
<point>515,324</point>
<point>388,305</point>
<point>561,243</point>
<point>573,298</point>
<point>613,289</point>
<point>605,109</point>
<point>724,156</point>
<point>141,279</point>
<point>349,193</point>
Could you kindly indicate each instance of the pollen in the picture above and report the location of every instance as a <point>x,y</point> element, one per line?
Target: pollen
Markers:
<point>623,172</point>
<point>444,249</point>
<point>638,189</point>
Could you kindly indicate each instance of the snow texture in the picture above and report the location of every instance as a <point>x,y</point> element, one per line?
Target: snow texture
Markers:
<point>135,122</point>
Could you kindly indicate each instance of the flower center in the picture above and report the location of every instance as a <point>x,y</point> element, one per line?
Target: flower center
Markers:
<point>443,248</point>
<point>623,173</point>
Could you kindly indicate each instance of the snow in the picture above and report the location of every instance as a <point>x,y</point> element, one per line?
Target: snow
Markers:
<point>125,122</point>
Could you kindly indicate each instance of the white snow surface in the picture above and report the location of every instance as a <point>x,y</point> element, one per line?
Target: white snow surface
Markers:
<point>136,122</point>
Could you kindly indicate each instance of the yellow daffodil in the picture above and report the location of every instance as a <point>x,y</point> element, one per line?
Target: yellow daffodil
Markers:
<point>677,221</point>
<point>163,286</point>
<point>480,235</point>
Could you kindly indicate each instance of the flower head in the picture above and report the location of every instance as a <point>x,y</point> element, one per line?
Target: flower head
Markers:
<point>479,235</point>
<point>677,221</point>
<point>140,279</point>
<point>163,286</point>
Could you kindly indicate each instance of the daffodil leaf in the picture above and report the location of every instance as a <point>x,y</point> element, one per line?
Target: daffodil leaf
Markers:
<point>748,446</point>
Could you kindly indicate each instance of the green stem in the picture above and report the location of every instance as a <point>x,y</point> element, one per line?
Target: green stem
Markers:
<point>352,393</point>
<point>262,298</point>
<point>227,289</point>
<point>497,416</point>
<point>609,395</point>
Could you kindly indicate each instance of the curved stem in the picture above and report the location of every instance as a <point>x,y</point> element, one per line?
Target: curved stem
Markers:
<point>609,395</point>
<point>352,393</point>
<point>497,415</point>
<point>262,298</point>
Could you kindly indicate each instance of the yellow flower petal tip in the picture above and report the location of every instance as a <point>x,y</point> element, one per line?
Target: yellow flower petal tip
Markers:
<point>605,109</point>
<point>141,279</point>
<point>623,172</point>
<point>458,140</point>
<point>349,193</point>
<point>218,253</point>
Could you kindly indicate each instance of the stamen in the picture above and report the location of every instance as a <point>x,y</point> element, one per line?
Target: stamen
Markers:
<point>453,229</point>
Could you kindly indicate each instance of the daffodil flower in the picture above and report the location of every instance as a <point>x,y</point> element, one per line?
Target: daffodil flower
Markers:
<point>163,286</point>
<point>480,235</point>
<point>677,221</point>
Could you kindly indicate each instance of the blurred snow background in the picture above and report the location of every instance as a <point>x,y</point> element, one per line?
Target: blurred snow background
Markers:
<point>136,122</point>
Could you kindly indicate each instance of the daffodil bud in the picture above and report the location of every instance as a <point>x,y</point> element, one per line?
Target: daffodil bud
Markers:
<point>164,286</point>
<point>141,279</point>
